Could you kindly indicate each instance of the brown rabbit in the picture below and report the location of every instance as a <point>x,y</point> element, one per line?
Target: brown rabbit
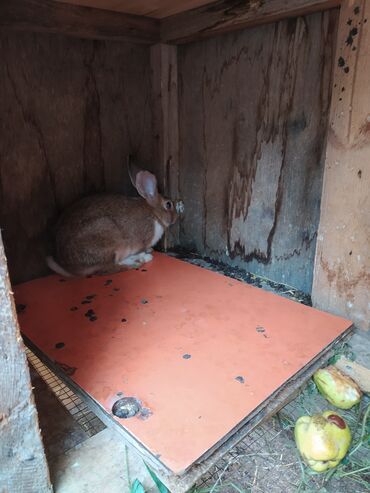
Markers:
<point>107,233</point>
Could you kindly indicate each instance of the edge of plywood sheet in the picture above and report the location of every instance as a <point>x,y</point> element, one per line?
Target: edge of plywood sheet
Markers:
<point>74,20</point>
<point>225,16</point>
<point>269,407</point>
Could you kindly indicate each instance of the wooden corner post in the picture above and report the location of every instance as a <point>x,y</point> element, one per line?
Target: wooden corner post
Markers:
<point>23,467</point>
<point>163,59</point>
<point>342,277</point>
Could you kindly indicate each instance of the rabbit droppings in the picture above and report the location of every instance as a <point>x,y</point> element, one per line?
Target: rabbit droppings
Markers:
<point>107,233</point>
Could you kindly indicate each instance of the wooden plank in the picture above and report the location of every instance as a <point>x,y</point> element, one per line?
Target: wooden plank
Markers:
<point>223,16</point>
<point>342,278</point>
<point>183,483</point>
<point>359,373</point>
<point>150,8</point>
<point>163,59</point>
<point>55,17</point>
<point>22,458</point>
<point>71,111</point>
<point>253,109</point>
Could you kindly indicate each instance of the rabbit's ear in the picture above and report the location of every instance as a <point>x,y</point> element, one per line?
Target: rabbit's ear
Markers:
<point>146,185</point>
<point>144,182</point>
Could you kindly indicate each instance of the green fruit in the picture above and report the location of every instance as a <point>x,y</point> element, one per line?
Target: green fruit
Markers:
<point>322,440</point>
<point>337,388</point>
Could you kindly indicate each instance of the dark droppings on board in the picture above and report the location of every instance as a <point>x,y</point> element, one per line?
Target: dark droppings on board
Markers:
<point>341,62</point>
<point>242,275</point>
<point>124,320</point>
<point>89,313</point>
<point>356,10</point>
<point>20,308</point>
<point>144,270</point>
<point>186,356</point>
<point>85,302</point>
<point>90,296</point>
<point>73,308</point>
<point>240,379</point>
<point>144,302</point>
<point>126,407</point>
<point>62,280</point>
<point>349,22</point>
<point>93,318</point>
<point>108,282</point>
<point>346,69</point>
<point>68,370</point>
<point>115,289</point>
<point>59,345</point>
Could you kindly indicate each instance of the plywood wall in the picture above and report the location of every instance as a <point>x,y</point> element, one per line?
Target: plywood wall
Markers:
<point>253,120</point>
<point>70,112</point>
<point>342,269</point>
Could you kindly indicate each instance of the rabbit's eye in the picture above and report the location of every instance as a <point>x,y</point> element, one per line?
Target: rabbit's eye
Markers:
<point>168,204</point>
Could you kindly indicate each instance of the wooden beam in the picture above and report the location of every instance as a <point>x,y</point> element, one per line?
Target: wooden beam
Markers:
<point>83,22</point>
<point>163,59</point>
<point>22,458</point>
<point>226,15</point>
<point>341,277</point>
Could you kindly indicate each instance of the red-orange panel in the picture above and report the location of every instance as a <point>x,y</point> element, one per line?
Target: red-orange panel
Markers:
<point>198,349</point>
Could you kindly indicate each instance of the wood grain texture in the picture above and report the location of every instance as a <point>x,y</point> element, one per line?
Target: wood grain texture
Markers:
<point>70,113</point>
<point>163,60</point>
<point>55,17</point>
<point>151,8</point>
<point>23,463</point>
<point>253,119</point>
<point>342,265</point>
<point>230,15</point>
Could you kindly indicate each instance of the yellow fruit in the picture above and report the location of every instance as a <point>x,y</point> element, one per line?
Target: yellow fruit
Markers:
<point>337,388</point>
<point>322,440</point>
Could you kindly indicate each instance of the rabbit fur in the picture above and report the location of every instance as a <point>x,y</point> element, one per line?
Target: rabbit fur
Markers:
<point>107,233</point>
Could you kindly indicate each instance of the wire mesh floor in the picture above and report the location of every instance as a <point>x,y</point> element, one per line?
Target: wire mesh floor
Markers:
<point>89,422</point>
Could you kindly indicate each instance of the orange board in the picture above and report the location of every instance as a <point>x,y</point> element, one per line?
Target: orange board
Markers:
<point>200,350</point>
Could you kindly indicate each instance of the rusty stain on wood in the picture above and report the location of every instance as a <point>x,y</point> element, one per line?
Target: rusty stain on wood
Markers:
<point>253,114</point>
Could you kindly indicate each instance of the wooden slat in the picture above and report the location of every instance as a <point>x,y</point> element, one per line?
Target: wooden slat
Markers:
<point>23,466</point>
<point>54,17</point>
<point>166,126</point>
<point>224,15</point>
<point>342,278</point>
<point>150,8</point>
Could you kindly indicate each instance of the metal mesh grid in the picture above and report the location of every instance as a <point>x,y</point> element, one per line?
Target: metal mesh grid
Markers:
<point>254,456</point>
<point>89,422</point>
